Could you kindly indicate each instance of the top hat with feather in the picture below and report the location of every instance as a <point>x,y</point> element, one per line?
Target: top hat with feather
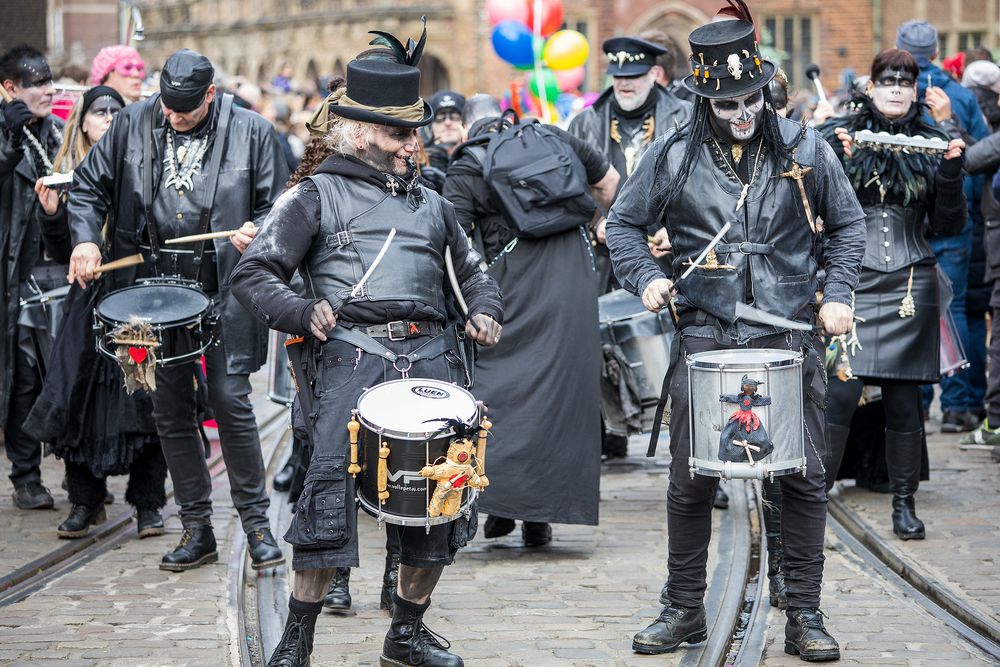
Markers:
<point>725,56</point>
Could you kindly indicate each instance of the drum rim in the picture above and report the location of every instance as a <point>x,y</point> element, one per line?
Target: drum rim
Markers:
<point>400,520</point>
<point>693,360</point>
<point>157,325</point>
<point>417,436</point>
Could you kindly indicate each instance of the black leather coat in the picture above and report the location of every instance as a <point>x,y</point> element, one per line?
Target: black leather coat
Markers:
<point>252,175</point>
<point>19,215</point>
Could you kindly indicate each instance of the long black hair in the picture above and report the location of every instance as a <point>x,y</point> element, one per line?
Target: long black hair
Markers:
<point>698,129</point>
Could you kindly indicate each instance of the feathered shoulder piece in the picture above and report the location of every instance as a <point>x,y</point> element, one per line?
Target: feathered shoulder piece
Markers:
<point>405,55</point>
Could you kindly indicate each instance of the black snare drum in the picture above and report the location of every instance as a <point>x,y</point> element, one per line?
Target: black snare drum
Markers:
<point>180,314</point>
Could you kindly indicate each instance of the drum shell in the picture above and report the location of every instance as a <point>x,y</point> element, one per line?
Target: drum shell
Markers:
<point>711,374</point>
<point>952,357</point>
<point>646,340</point>
<point>409,492</point>
<point>280,386</point>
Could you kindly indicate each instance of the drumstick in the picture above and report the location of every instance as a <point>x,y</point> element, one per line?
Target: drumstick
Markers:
<point>131,260</point>
<point>202,237</point>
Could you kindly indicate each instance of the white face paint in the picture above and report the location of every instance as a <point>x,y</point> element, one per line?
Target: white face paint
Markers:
<point>892,92</point>
<point>736,119</point>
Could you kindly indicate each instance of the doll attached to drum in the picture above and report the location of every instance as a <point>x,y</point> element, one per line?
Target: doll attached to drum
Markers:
<point>744,437</point>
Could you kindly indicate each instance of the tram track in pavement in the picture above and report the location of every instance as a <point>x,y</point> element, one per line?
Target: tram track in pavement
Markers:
<point>116,531</point>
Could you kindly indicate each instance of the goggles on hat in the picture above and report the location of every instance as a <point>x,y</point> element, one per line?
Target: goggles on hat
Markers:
<point>130,68</point>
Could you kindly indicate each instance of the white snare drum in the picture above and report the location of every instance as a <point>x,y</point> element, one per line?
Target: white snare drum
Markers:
<point>746,413</point>
<point>402,414</point>
<point>280,386</point>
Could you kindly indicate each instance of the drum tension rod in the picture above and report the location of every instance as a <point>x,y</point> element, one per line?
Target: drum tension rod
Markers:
<point>353,427</point>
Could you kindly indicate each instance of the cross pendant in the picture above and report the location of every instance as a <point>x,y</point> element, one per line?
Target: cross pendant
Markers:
<point>391,186</point>
<point>797,173</point>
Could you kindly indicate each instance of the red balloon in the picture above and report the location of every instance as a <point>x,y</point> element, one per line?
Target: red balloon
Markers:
<point>569,79</point>
<point>507,10</point>
<point>551,15</point>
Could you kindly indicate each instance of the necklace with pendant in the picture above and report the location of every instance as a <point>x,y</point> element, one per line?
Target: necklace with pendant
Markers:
<point>34,145</point>
<point>732,172</point>
<point>180,165</point>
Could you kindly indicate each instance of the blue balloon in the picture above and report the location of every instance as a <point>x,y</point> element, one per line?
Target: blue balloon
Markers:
<point>513,42</point>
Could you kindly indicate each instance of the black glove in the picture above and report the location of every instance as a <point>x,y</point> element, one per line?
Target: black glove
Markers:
<point>952,169</point>
<point>16,114</point>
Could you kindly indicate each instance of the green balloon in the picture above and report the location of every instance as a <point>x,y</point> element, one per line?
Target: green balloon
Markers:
<point>549,81</point>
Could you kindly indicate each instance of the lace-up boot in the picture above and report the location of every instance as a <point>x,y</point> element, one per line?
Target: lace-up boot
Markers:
<point>338,598</point>
<point>264,550</point>
<point>806,636</point>
<point>296,643</point>
<point>674,626</point>
<point>80,520</point>
<point>777,590</point>
<point>410,642</point>
<point>389,579</point>
<point>196,548</point>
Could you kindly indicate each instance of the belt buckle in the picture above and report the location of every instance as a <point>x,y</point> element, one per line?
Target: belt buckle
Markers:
<point>749,248</point>
<point>398,325</point>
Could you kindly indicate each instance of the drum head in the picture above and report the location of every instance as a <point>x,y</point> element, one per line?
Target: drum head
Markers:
<point>619,305</point>
<point>406,408</point>
<point>156,304</point>
<point>748,359</point>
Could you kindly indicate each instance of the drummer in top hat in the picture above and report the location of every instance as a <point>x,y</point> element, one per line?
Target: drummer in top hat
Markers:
<point>772,179</point>
<point>329,225</point>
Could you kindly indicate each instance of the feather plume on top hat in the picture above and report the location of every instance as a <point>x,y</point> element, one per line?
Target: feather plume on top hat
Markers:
<point>738,10</point>
<point>405,55</point>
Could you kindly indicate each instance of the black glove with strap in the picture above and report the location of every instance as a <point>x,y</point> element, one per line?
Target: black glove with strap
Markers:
<point>16,114</point>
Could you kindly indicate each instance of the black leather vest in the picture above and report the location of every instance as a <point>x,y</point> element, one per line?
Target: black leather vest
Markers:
<point>894,237</point>
<point>770,243</point>
<point>356,219</point>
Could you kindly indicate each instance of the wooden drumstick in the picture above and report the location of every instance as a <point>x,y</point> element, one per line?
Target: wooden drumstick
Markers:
<point>484,427</point>
<point>208,236</point>
<point>131,260</point>
<point>353,427</point>
<point>383,472</point>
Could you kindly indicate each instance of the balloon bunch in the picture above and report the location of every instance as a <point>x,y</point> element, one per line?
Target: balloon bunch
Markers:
<point>526,34</point>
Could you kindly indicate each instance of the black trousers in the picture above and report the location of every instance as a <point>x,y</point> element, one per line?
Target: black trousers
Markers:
<point>175,413</point>
<point>23,451</point>
<point>803,511</point>
<point>993,354</point>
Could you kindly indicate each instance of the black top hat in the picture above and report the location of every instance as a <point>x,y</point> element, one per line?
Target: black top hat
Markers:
<point>726,61</point>
<point>629,56</point>
<point>383,92</point>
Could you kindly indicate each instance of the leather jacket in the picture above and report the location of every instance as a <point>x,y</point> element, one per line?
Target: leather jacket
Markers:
<point>770,244</point>
<point>109,183</point>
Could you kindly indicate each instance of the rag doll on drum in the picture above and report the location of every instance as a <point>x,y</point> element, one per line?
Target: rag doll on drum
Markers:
<point>391,327</point>
<point>747,307</point>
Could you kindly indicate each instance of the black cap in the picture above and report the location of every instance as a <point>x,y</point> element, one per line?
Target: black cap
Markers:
<point>447,99</point>
<point>726,61</point>
<point>185,79</point>
<point>630,56</point>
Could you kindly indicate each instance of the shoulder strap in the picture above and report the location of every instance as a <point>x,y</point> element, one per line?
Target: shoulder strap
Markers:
<point>147,178</point>
<point>218,148</point>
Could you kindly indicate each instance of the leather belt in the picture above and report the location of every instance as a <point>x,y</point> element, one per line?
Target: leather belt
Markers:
<point>402,329</point>
<point>746,248</point>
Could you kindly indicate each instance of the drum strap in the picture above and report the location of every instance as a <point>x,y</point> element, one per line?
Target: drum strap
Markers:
<point>432,349</point>
<point>675,355</point>
<point>147,178</point>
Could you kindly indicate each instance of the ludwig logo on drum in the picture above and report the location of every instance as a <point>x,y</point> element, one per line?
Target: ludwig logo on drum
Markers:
<point>425,391</point>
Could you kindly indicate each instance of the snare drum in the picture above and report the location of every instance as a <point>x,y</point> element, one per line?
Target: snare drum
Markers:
<point>180,315</point>
<point>280,386</point>
<point>740,431</point>
<point>645,339</point>
<point>41,316</point>
<point>402,414</point>
<point>953,357</point>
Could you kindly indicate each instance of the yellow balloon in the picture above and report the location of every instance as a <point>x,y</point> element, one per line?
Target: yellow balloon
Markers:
<point>566,49</point>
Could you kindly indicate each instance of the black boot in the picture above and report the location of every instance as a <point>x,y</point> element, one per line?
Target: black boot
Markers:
<point>409,642</point>
<point>149,523</point>
<point>264,550</point>
<point>389,580</point>
<point>777,590</point>
<point>674,626</point>
<point>296,643</point>
<point>338,598</point>
<point>902,457</point>
<point>80,520</point>
<point>536,533</point>
<point>806,636</point>
<point>836,443</point>
<point>497,526</point>
<point>283,479</point>
<point>33,496</point>
<point>196,548</point>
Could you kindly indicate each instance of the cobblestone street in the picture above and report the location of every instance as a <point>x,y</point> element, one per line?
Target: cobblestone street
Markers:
<point>577,601</point>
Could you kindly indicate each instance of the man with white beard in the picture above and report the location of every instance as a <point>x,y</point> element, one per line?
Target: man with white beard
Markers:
<point>621,124</point>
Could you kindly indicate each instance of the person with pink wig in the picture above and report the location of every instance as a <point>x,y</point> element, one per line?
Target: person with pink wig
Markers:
<point>120,67</point>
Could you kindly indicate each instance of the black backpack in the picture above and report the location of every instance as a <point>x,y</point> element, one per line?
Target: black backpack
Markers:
<point>535,178</point>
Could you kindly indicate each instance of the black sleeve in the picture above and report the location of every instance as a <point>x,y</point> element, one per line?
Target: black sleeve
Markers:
<point>461,190</point>
<point>595,164</point>
<point>55,233</point>
<point>947,210</point>
<point>262,277</point>
<point>481,292</point>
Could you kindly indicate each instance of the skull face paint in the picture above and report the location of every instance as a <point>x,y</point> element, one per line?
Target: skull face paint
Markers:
<point>892,92</point>
<point>737,119</point>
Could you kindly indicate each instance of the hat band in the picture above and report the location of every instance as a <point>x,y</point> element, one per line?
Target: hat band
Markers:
<point>319,124</point>
<point>735,67</point>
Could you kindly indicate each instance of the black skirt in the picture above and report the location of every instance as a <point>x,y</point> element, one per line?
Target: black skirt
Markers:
<point>894,347</point>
